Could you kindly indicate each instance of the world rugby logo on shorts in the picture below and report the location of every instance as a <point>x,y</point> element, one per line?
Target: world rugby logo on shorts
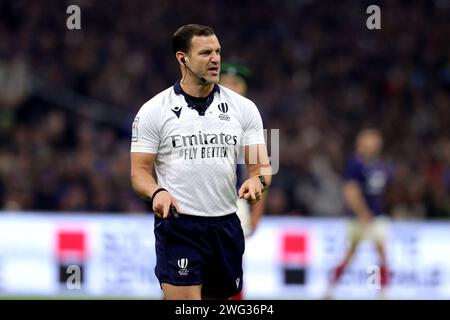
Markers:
<point>182,264</point>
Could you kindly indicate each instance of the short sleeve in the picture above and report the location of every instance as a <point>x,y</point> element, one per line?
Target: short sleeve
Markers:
<point>353,170</point>
<point>252,126</point>
<point>145,131</point>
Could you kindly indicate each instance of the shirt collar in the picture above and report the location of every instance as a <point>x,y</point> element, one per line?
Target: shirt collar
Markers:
<point>178,90</point>
<point>199,104</point>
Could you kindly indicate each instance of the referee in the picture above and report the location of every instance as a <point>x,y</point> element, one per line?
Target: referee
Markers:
<point>185,144</point>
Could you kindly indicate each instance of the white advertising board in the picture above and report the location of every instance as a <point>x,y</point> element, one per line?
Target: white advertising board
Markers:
<point>287,258</point>
<point>292,258</point>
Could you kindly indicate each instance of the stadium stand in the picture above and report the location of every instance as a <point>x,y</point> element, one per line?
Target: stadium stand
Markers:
<point>319,75</point>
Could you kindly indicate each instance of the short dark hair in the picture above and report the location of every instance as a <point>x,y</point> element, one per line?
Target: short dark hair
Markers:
<point>181,39</point>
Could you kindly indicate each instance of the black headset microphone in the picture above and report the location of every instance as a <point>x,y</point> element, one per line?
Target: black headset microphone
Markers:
<point>202,80</point>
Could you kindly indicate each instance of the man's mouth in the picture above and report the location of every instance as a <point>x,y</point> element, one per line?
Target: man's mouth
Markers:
<point>214,70</point>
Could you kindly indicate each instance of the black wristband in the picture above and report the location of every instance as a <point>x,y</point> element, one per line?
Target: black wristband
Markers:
<point>156,192</point>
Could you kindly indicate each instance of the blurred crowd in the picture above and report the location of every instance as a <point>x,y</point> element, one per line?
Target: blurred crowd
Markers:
<point>318,74</point>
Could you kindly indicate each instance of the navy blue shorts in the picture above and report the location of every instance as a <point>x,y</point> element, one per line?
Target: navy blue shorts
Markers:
<point>192,250</point>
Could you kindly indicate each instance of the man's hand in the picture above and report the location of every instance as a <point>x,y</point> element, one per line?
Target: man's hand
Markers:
<point>162,202</point>
<point>251,190</point>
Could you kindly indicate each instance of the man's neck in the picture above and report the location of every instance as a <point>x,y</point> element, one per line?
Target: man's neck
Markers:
<point>197,90</point>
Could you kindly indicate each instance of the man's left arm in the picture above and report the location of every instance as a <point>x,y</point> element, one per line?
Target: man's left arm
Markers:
<point>259,172</point>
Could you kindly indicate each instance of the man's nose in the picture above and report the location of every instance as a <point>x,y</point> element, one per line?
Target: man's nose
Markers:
<point>215,58</point>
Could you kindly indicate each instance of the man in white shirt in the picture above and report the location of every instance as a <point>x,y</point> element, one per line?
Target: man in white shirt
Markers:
<point>185,144</point>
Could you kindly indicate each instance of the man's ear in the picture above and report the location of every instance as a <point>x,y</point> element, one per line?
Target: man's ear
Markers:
<point>181,57</point>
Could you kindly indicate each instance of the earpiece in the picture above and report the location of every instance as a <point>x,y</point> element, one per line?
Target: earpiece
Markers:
<point>202,80</point>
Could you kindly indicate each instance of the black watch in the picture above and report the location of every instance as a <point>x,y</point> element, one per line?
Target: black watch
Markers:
<point>263,182</point>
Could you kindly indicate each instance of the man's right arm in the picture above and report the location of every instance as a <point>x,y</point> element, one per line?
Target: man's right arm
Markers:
<point>144,183</point>
<point>356,202</point>
<point>143,178</point>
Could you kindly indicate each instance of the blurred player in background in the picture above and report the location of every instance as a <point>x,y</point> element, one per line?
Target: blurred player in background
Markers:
<point>235,76</point>
<point>366,180</point>
<point>190,135</point>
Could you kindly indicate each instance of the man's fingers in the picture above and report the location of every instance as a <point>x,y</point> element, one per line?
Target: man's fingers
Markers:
<point>252,194</point>
<point>157,214</point>
<point>157,211</point>
<point>249,196</point>
<point>166,210</point>
<point>174,202</point>
<point>249,199</point>
<point>252,198</point>
<point>241,192</point>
